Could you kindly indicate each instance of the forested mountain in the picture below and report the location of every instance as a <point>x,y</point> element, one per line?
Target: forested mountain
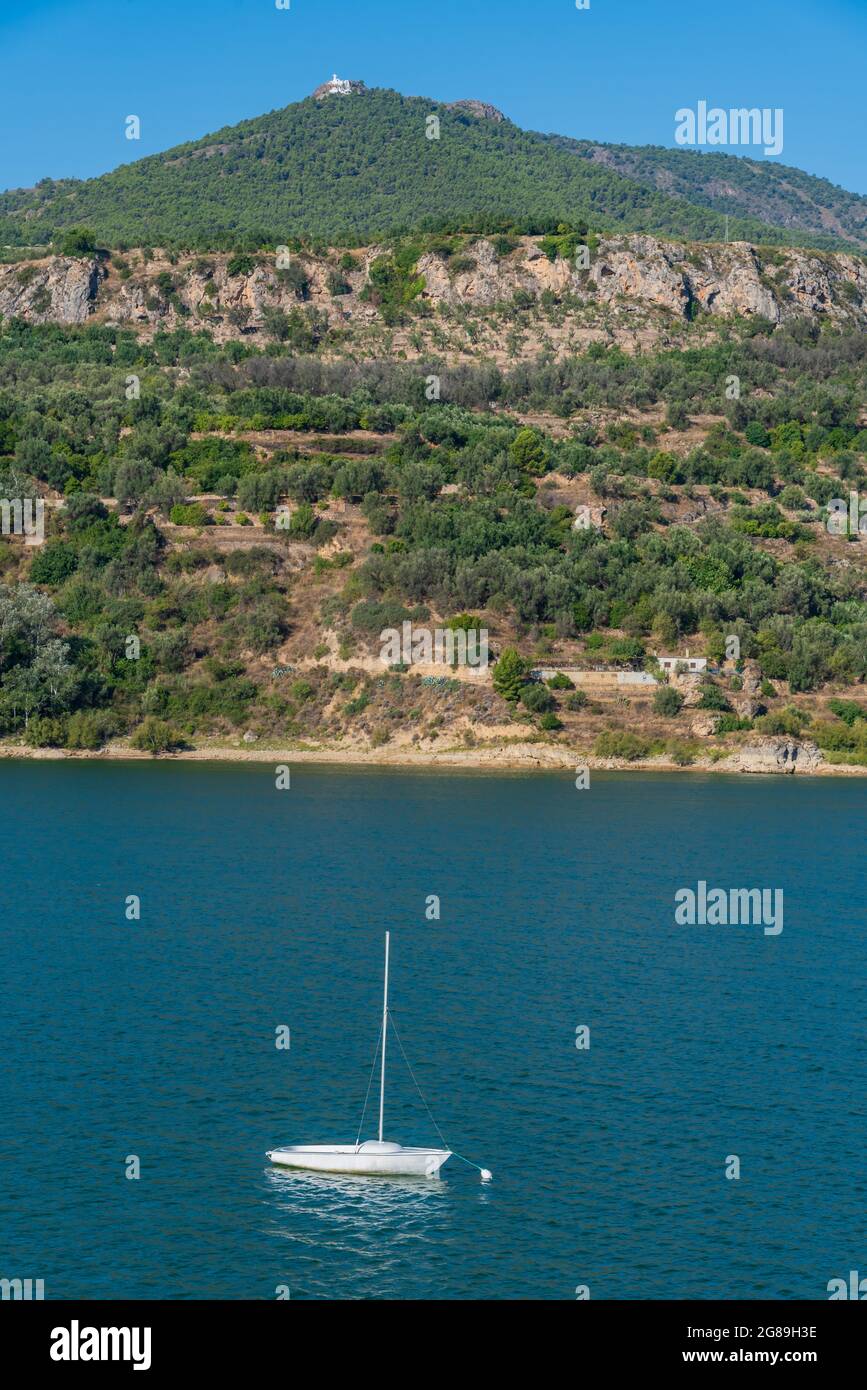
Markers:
<point>774,193</point>
<point>350,169</point>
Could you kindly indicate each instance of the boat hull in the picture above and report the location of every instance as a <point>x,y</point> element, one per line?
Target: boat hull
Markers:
<point>387,1160</point>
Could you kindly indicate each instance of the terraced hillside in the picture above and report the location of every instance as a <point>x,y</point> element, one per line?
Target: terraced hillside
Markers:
<point>238,510</point>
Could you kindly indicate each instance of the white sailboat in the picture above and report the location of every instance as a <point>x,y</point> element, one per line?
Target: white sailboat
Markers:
<point>374,1156</point>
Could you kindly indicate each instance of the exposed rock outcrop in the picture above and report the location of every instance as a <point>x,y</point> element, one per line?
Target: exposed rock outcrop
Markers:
<point>719,280</point>
<point>688,685</point>
<point>61,289</point>
<point>747,703</point>
<point>747,706</point>
<point>482,109</point>
<point>732,280</point>
<point>666,282</point>
<point>704,725</point>
<point>776,755</point>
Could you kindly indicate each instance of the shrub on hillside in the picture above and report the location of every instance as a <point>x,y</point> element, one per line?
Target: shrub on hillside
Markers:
<point>537,699</point>
<point>549,722</point>
<point>667,701</point>
<point>87,729</point>
<point>713,698</point>
<point>373,617</point>
<point>731,724</point>
<point>625,651</point>
<point>847,710</point>
<point>53,564</point>
<point>240,264</point>
<point>683,754</point>
<point>156,736</point>
<point>849,743</point>
<point>45,733</point>
<point>789,721</point>
<point>619,743</point>
<point>190,514</point>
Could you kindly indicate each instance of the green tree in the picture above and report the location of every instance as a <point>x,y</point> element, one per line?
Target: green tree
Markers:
<point>36,675</point>
<point>53,564</point>
<point>45,733</point>
<point>510,674</point>
<point>620,743</point>
<point>666,467</point>
<point>190,514</point>
<point>133,480</point>
<point>528,452</point>
<point>276,323</point>
<point>757,435</point>
<point>85,729</point>
<point>77,241</point>
<point>848,710</point>
<point>625,651</point>
<point>303,522</point>
<point>240,264</point>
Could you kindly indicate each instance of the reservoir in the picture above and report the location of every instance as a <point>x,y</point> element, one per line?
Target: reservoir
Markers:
<point>264,910</point>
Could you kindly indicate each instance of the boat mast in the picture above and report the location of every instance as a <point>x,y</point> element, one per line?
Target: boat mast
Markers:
<point>384,1027</point>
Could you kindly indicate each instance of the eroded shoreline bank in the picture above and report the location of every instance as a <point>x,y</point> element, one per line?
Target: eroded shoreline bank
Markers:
<point>518,757</point>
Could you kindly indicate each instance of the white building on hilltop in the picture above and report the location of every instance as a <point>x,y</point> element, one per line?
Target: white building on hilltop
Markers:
<point>338,86</point>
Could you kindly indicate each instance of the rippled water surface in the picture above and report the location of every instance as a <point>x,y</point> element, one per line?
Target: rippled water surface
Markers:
<point>261,908</point>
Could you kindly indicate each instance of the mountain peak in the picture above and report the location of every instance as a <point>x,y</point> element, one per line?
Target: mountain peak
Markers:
<point>338,87</point>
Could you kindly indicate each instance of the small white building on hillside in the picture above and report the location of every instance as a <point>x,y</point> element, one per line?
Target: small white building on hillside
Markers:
<point>689,663</point>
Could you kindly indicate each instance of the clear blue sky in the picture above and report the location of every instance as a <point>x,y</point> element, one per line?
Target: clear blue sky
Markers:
<point>74,69</point>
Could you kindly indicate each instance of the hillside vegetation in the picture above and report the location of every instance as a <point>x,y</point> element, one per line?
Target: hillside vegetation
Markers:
<point>515,410</point>
<point>745,188</point>
<point>455,511</point>
<point>352,169</point>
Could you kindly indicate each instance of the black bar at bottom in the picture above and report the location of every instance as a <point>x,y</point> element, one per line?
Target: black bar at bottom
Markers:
<point>171,1338</point>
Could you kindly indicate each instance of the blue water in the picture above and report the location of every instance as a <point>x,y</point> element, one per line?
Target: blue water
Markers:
<point>261,908</point>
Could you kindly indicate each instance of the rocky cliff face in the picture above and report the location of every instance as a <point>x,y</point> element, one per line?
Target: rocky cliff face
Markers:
<point>672,280</point>
<point>776,755</point>
<point>61,290</point>
<point>724,280</point>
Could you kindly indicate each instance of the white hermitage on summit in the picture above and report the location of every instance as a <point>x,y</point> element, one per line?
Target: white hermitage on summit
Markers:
<point>339,86</point>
